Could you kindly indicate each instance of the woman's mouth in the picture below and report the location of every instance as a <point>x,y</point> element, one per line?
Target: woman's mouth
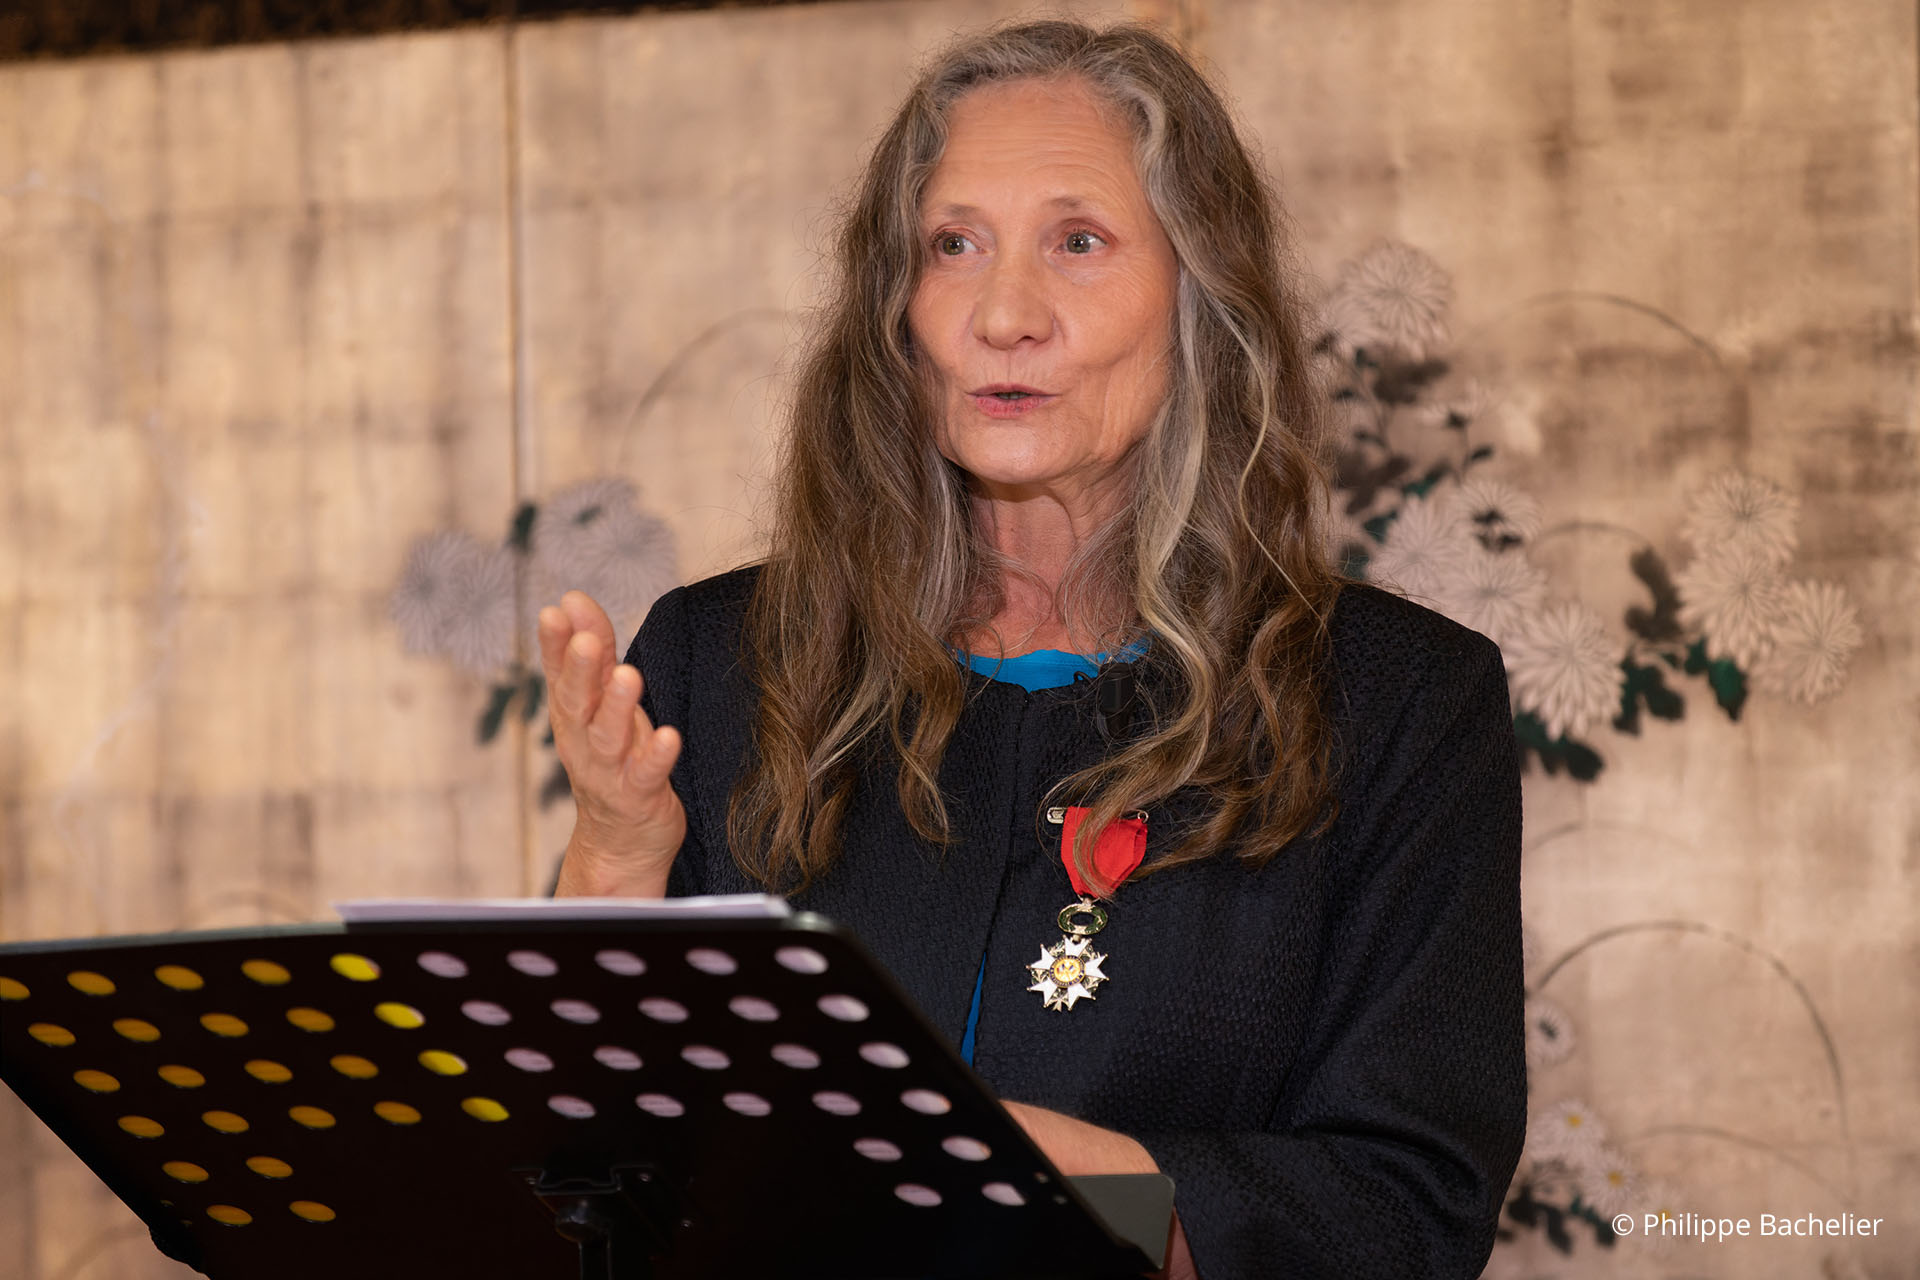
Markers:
<point>1006,400</point>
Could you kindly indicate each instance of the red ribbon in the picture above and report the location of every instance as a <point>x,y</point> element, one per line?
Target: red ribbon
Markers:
<point>1117,852</point>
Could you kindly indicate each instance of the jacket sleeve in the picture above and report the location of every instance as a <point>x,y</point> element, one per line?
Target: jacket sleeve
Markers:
<point>662,652</point>
<point>1401,1121</point>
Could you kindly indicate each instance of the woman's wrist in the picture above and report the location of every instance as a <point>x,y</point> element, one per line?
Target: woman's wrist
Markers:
<point>585,873</point>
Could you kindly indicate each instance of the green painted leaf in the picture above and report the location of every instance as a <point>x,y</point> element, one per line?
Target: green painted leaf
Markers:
<point>1581,761</point>
<point>1354,559</point>
<point>1377,527</point>
<point>496,710</point>
<point>1729,686</point>
<point>536,694</point>
<point>520,532</point>
<point>1645,685</point>
<point>1421,487</point>
<point>1480,454</point>
<point>1662,622</point>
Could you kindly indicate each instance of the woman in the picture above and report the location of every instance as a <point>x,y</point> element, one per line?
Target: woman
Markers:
<point>1059,406</point>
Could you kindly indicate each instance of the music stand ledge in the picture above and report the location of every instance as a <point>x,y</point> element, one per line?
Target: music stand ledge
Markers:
<point>622,1099</point>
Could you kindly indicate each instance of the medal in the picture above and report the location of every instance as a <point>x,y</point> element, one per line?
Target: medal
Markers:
<point>1069,970</point>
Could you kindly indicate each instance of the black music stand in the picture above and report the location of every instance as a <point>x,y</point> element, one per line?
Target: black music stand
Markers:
<point>678,1097</point>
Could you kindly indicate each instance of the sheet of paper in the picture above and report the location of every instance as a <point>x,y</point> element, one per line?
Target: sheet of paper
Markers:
<point>741,906</point>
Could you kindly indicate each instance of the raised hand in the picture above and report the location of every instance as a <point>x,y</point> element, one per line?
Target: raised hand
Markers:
<point>628,823</point>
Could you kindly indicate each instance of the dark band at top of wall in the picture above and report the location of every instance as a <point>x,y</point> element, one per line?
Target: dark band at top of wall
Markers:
<point>82,28</point>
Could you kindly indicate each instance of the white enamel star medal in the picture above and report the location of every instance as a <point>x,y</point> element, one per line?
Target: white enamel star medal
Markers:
<point>1069,971</point>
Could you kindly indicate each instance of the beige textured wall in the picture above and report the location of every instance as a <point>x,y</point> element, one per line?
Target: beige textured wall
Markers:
<point>269,314</point>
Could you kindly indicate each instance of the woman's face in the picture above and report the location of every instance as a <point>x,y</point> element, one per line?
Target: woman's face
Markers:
<point>1045,304</point>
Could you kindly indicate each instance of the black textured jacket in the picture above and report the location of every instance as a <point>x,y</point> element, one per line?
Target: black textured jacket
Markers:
<point>1326,1054</point>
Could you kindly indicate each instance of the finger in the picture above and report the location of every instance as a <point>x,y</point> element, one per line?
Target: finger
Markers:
<point>555,630</point>
<point>652,758</point>
<point>610,732</point>
<point>588,616</point>
<point>576,694</point>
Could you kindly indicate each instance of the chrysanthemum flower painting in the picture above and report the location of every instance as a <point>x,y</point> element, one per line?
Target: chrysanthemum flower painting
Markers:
<point>1446,532</point>
<point>464,601</point>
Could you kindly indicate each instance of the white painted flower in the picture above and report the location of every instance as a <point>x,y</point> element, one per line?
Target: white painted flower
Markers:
<point>1567,1132</point>
<point>1497,514</point>
<point>593,537</point>
<point>1392,296</point>
<point>1734,510</point>
<point>1608,1181</point>
<point>1425,543</point>
<point>1469,403</point>
<point>1550,1037</point>
<point>1491,592</point>
<point>1815,636</point>
<point>1733,594</point>
<point>1660,1200</point>
<point>455,599</point>
<point>1564,667</point>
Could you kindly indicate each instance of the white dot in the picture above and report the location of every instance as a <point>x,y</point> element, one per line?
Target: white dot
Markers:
<point>706,1057</point>
<point>534,964</point>
<point>617,1058</point>
<point>1003,1193</point>
<point>797,1056</point>
<point>747,1104</point>
<point>753,1008</point>
<point>965,1148</point>
<point>881,1054</point>
<point>801,959</point>
<point>843,1008</point>
<point>571,1107</point>
<point>661,1009</point>
<point>487,1013</point>
<point>927,1102</point>
<point>442,965</point>
<point>914,1193</point>
<point>576,1011</point>
<point>877,1149</point>
<point>624,963</point>
<point>835,1103</point>
<point>659,1104</point>
<point>529,1060</point>
<point>711,960</point>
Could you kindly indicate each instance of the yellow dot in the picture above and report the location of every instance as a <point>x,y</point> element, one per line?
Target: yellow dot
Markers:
<point>182,1077</point>
<point>268,1167</point>
<point>311,1210</point>
<point>355,968</point>
<point>179,977</point>
<point>404,1016</point>
<point>224,1121</point>
<point>396,1113</point>
<point>266,973</point>
<point>442,1063</point>
<point>183,1171</point>
<point>311,1117</point>
<point>141,1126</point>
<point>483,1109</point>
<point>223,1024</point>
<point>135,1029</point>
<point>48,1033</point>
<point>87,982</point>
<point>11,990</point>
<point>354,1067</point>
<point>309,1019</point>
<point>267,1071</point>
<point>96,1081</point>
<point>228,1214</point>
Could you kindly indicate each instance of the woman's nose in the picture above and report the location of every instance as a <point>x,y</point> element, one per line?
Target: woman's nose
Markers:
<point>1013,306</point>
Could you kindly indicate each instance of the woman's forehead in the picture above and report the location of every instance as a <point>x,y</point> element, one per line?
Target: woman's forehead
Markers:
<point>1049,144</point>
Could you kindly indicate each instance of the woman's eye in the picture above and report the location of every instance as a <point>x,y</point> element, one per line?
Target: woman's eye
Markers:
<point>951,244</point>
<point>1081,241</point>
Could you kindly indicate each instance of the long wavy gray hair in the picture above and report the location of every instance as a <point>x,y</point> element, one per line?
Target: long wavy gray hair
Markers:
<point>875,564</point>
